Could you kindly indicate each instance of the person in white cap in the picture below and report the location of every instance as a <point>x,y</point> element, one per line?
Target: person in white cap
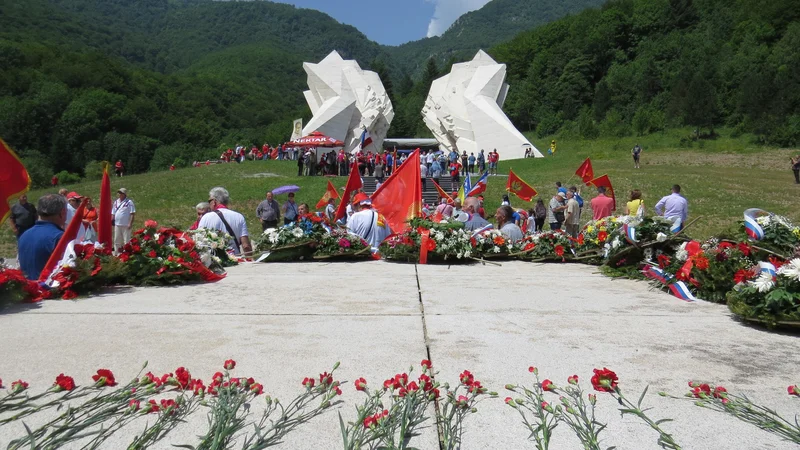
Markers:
<point>368,223</point>
<point>555,214</point>
<point>124,212</point>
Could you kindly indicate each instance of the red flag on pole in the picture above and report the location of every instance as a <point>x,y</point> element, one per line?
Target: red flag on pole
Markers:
<point>14,179</point>
<point>69,235</point>
<point>104,235</point>
<point>521,189</point>
<point>274,154</point>
<point>400,197</point>
<point>329,194</point>
<point>585,171</point>
<point>442,192</point>
<point>353,184</point>
<point>605,182</point>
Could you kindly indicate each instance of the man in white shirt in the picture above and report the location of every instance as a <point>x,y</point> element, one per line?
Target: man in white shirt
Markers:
<point>429,158</point>
<point>124,212</point>
<point>227,221</point>
<point>423,174</point>
<point>368,223</point>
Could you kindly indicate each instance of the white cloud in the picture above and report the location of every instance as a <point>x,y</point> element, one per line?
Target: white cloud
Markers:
<point>447,11</point>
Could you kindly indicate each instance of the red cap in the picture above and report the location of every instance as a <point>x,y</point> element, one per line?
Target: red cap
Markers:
<point>360,197</point>
<point>72,195</point>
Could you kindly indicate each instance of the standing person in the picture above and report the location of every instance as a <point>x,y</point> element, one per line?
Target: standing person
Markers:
<point>481,162</point>
<point>342,162</point>
<point>124,212</point>
<point>493,158</point>
<point>54,181</point>
<point>636,205</point>
<point>552,150</point>
<point>228,221</point>
<point>300,166</point>
<point>423,173</point>
<point>289,210</point>
<point>505,223</point>
<point>555,213</point>
<point>90,221</point>
<point>602,206</point>
<point>464,163</point>
<point>379,170</point>
<point>539,214</point>
<point>367,223</point>
<point>675,207</point>
<point>311,162</point>
<point>577,195</point>
<point>37,244</point>
<point>572,217</point>
<point>636,152</point>
<point>268,212</point>
<point>389,162</point>
<point>23,216</point>
<point>436,172</point>
<point>119,168</point>
<point>561,188</point>
<point>73,202</point>
<point>455,180</point>
<point>429,158</point>
<point>796,169</point>
<point>471,162</point>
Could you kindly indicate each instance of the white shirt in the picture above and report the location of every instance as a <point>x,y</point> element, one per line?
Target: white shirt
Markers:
<point>330,211</point>
<point>423,170</point>
<point>237,222</point>
<point>122,210</point>
<point>430,158</point>
<point>365,224</point>
<point>70,214</point>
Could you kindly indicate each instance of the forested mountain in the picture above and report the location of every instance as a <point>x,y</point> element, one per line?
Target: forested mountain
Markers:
<point>637,66</point>
<point>496,22</point>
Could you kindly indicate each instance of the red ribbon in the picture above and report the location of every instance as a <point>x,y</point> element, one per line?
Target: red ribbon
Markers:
<point>423,251</point>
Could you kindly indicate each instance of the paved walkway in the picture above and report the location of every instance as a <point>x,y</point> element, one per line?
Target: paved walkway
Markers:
<point>282,322</point>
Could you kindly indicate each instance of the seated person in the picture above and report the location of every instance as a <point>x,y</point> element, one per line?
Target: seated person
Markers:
<point>368,223</point>
<point>38,243</point>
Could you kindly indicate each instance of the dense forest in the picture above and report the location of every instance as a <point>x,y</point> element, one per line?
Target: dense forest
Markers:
<point>160,81</point>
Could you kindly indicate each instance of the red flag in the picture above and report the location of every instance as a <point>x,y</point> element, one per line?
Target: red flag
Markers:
<point>274,154</point>
<point>442,192</point>
<point>353,184</point>
<point>104,235</point>
<point>400,197</point>
<point>521,189</point>
<point>329,194</point>
<point>605,182</point>
<point>69,235</point>
<point>14,179</point>
<point>585,171</point>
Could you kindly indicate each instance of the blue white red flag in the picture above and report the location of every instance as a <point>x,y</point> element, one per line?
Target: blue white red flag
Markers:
<point>680,290</point>
<point>480,185</point>
<point>366,139</point>
<point>769,268</point>
<point>751,226</point>
<point>655,273</point>
<point>630,234</point>
<point>482,230</point>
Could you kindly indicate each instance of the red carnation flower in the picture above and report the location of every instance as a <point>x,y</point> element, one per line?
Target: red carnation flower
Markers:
<point>257,388</point>
<point>19,386</point>
<point>701,262</point>
<point>604,380</point>
<point>183,377</point>
<point>580,239</point>
<point>152,406</point>
<point>134,404</point>
<point>150,224</point>
<point>361,384</point>
<point>104,377</point>
<point>152,254</point>
<point>532,369</point>
<point>663,261</point>
<point>64,383</point>
<point>744,247</point>
<point>325,378</point>
<point>573,379</point>
<point>466,378</point>
<point>720,392</point>
<point>509,400</point>
<point>793,390</point>
<point>229,364</point>
<point>559,249</point>
<point>602,236</point>
<point>308,382</point>
<point>548,385</point>
<point>426,364</point>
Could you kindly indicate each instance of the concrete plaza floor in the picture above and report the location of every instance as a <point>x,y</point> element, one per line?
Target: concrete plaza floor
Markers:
<point>282,322</point>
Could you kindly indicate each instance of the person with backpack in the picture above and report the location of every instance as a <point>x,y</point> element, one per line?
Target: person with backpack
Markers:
<point>538,213</point>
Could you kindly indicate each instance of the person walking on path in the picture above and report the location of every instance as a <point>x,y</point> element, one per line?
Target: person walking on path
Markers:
<point>602,205</point>
<point>268,212</point>
<point>289,210</point>
<point>227,221</point>
<point>636,153</point>
<point>796,169</point>
<point>23,216</point>
<point>675,207</point>
<point>124,212</point>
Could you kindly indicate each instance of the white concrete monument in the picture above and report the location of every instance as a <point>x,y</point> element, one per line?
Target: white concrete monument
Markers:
<point>463,110</point>
<point>345,100</point>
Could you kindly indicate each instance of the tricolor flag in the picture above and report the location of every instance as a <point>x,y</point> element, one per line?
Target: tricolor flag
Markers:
<point>656,273</point>
<point>769,268</point>
<point>480,185</point>
<point>520,188</point>
<point>482,230</point>
<point>751,226</point>
<point>680,290</point>
<point>585,171</point>
<point>366,139</point>
<point>630,234</point>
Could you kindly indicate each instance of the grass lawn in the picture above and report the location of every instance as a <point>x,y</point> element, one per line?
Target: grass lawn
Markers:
<point>720,179</point>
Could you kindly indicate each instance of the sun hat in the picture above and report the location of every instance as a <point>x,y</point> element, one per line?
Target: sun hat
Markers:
<point>122,191</point>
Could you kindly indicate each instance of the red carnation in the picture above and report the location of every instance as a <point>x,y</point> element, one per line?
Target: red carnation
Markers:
<point>150,223</point>
<point>533,369</point>
<point>104,377</point>
<point>720,392</point>
<point>548,385</point>
<point>426,364</point>
<point>701,262</point>
<point>325,378</point>
<point>152,254</point>
<point>559,249</point>
<point>580,239</point>
<point>604,380</point>
<point>134,404</point>
<point>257,388</point>
<point>602,236</point>
<point>229,364</point>
<point>152,406</point>
<point>361,384</point>
<point>663,261</point>
<point>793,390</point>
<point>466,378</point>
<point>19,386</point>
<point>64,383</point>
<point>509,400</point>
<point>183,377</point>
<point>573,379</point>
<point>308,382</point>
<point>744,247</point>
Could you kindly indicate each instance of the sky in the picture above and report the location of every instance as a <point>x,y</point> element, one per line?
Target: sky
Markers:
<point>393,22</point>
